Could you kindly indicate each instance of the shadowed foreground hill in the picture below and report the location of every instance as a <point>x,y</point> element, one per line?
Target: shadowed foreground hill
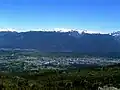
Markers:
<point>60,41</point>
<point>73,79</point>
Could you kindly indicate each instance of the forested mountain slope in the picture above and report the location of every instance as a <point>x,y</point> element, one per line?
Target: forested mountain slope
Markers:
<point>60,41</point>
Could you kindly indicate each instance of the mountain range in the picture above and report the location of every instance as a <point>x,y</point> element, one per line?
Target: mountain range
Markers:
<point>55,41</point>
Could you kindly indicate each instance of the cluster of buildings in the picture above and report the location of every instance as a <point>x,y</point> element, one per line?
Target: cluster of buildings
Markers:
<point>21,63</point>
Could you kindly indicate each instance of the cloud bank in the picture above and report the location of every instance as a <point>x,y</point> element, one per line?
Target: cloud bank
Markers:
<point>54,29</point>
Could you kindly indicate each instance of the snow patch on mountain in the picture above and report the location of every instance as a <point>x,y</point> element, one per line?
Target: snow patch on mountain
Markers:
<point>116,34</point>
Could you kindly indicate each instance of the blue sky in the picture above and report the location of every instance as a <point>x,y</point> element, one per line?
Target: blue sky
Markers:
<point>96,15</point>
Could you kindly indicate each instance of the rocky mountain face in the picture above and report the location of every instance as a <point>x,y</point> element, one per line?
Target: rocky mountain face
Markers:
<point>61,41</point>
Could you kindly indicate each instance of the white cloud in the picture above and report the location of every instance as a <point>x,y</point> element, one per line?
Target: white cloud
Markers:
<point>55,29</point>
<point>79,30</point>
<point>93,31</point>
<point>7,29</point>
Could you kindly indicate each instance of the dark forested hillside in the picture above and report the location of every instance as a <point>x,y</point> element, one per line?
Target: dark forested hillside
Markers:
<point>60,41</point>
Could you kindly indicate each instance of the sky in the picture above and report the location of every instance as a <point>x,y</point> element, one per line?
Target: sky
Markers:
<point>91,15</point>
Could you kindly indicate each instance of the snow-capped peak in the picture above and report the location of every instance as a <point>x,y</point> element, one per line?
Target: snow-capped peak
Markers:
<point>116,34</point>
